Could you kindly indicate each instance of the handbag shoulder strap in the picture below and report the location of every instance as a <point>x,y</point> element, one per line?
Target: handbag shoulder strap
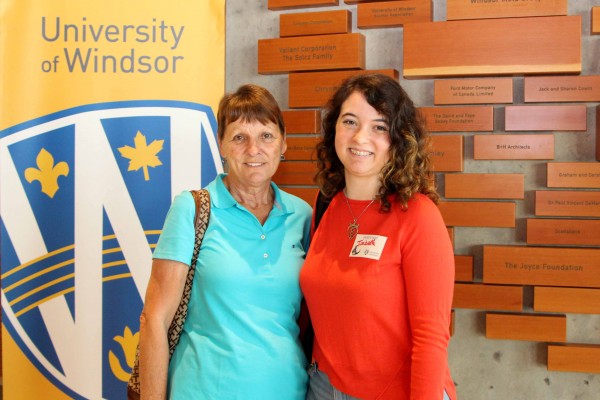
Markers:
<point>321,205</point>
<point>202,200</point>
<point>201,218</point>
<point>307,333</point>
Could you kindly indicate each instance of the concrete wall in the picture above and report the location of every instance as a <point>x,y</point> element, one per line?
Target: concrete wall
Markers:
<point>482,368</point>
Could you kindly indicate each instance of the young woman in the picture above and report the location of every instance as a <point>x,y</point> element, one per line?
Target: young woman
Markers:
<point>378,278</point>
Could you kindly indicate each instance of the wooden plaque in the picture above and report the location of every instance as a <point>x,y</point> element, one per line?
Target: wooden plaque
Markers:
<point>574,358</point>
<point>574,175</point>
<point>543,266</point>
<point>311,53</point>
<point>393,13</point>
<point>567,203</point>
<point>598,133</point>
<point>447,153</point>
<point>567,300</point>
<point>595,20</point>
<point>459,119</point>
<point>296,173</point>
<point>307,194</point>
<point>513,147</point>
<point>302,121</point>
<point>533,327</point>
<point>313,89</point>
<point>493,47</point>
<point>463,268</point>
<point>476,213</point>
<point>301,148</point>
<point>365,1</point>
<point>546,118</point>
<point>485,186</point>
<point>571,232</point>
<point>473,91</point>
<point>469,9</point>
<point>285,4</point>
<point>315,23</point>
<point>546,89</point>
<point>488,297</point>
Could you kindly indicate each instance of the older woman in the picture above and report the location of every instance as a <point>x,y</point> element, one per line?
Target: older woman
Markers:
<point>240,336</point>
<point>378,278</point>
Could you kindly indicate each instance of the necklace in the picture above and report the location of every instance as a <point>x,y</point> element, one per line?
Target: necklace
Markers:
<point>353,226</point>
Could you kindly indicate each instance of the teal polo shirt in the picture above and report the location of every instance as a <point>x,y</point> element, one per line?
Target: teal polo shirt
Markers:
<point>240,339</point>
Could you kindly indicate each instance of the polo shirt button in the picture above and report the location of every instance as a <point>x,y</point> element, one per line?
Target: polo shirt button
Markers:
<point>263,237</point>
<point>265,255</point>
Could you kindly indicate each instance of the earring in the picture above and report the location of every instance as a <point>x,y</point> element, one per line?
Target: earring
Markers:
<point>282,157</point>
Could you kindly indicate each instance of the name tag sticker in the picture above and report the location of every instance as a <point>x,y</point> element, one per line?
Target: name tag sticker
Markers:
<point>368,246</point>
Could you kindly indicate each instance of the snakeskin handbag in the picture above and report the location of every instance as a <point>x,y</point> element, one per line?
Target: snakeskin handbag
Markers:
<point>202,200</point>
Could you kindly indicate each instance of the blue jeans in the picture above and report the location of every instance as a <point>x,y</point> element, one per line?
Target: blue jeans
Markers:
<point>320,388</point>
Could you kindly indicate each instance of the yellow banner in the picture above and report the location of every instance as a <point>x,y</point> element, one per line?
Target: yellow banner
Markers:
<point>107,112</point>
<point>61,54</point>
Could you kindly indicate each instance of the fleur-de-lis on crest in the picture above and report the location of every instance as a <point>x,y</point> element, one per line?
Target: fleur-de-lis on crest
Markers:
<point>128,343</point>
<point>142,155</point>
<point>46,172</point>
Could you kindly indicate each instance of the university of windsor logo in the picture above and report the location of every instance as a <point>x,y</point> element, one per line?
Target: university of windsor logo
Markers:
<point>83,196</point>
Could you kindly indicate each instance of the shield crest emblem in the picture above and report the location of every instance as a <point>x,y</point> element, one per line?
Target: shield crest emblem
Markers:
<point>83,196</point>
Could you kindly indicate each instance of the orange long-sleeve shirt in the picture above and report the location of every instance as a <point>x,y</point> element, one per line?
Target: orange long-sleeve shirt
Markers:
<point>380,304</point>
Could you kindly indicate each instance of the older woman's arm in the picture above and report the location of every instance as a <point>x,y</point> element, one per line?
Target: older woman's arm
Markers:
<point>163,295</point>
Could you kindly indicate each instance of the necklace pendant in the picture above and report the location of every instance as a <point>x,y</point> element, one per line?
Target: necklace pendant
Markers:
<point>352,230</point>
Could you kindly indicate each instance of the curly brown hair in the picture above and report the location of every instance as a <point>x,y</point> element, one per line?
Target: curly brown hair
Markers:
<point>408,171</point>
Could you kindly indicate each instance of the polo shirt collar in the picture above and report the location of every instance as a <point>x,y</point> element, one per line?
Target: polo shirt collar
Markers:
<point>223,199</point>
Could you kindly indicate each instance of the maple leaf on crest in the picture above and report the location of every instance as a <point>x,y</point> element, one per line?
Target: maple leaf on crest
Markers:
<point>142,155</point>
